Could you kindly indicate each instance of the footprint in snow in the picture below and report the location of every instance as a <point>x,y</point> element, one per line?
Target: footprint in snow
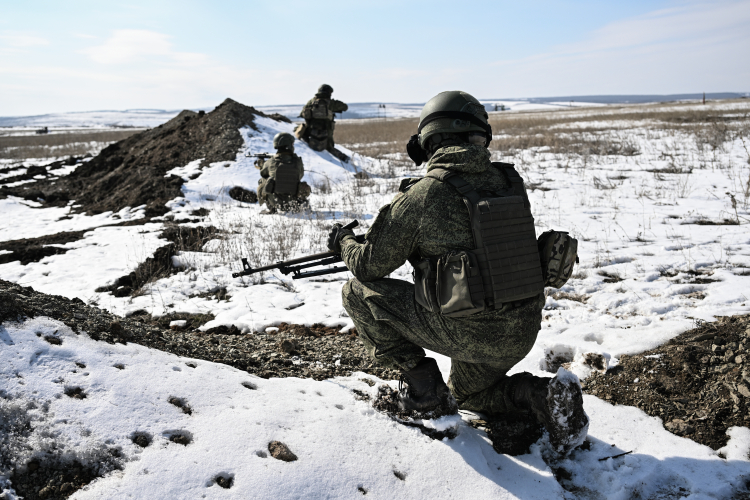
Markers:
<point>180,437</point>
<point>224,480</point>
<point>182,404</point>
<point>75,392</point>
<point>142,439</point>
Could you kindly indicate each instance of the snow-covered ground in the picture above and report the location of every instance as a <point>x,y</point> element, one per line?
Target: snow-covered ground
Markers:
<point>153,117</point>
<point>656,254</point>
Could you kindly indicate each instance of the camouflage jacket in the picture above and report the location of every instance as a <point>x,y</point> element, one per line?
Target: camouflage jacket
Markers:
<point>427,218</point>
<point>272,164</point>
<point>333,106</point>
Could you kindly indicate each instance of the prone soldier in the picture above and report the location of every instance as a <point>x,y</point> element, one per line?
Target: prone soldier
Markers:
<point>280,185</point>
<point>480,306</point>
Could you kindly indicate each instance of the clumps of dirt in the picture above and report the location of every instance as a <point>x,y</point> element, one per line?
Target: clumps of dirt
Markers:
<point>387,402</point>
<point>698,383</point>
<point>315,330</point>
<point>280,451</point>
<point>180,437</point>
<point>38,461</point>
<point>244,195</point>
<point>159,265</point>
<point>192,321</point>
<point>224,480</point>
<point>322,353</point>
<point>49,480</point>
<point>75,393</point>
<point>53,339</point>
<point>182,404</point>
<point>29,250</point>
<point>142,439</point>
<point>132,172</point>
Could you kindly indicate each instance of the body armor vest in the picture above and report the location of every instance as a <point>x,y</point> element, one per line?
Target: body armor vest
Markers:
<point>286,178</point>
<point>505,241</point>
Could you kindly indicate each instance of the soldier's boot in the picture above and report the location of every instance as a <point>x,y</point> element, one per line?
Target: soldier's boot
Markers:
<point>338,154</point>
<point>557,403</point>
<point>425,390</point>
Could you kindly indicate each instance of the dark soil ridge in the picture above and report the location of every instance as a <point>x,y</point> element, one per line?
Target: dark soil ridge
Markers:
<point>698,383</point>
<point>131,172</point>
<point>159,265</point>
<point>315,351</point>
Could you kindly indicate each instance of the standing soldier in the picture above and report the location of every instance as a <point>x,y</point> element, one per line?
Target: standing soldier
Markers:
<point>478,292</point>
<point>280,186</point>
<point>319,121</point>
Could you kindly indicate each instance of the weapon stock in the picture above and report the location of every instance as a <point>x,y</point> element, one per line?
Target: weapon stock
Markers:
<point>295,266</point>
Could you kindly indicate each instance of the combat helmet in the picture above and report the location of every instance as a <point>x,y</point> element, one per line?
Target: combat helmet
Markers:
<point>325,89</point>
<point>453,112</point>
<point>283,140</point>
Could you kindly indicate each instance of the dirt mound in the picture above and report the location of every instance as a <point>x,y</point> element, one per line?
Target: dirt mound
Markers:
<point>132,172</point>
<point>698,383</point>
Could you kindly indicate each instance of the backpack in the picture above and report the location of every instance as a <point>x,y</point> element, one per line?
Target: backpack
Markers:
<point>320,110</point>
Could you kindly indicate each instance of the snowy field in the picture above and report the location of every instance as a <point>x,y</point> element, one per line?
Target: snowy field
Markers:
<point>663,242</point>
<point>141,118</point>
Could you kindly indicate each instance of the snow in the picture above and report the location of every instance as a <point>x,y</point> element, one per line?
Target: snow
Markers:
<point>322,423</point>
<point>142,118</point>
<point>650,267</point>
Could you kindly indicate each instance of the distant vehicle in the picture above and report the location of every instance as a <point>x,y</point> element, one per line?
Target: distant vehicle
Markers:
<point>43,130</point>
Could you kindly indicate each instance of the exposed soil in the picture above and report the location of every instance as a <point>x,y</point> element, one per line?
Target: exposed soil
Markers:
<point>315,351</point>
<point>29,250</point>
<point>387,402</point>
<point>51,480</point>
<point>131,172</point>
<point>698,383</point>
<point>159,265</point>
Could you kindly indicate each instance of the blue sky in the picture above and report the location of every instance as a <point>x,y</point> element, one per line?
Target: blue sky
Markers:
<point>87,55</point>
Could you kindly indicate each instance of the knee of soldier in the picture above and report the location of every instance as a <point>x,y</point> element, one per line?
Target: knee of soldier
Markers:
<point>349,295</point>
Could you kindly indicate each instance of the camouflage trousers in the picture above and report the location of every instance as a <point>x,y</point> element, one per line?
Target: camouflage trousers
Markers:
<point>319,135</point>
<point>282,201</point>
<point>483,347</point>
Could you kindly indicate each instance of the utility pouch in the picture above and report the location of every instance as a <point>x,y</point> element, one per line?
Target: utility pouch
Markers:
<point>558,254</point>
<point>270,186</point>
<point>459,287</point>
<point>424,285</point>
<point>299,130</point>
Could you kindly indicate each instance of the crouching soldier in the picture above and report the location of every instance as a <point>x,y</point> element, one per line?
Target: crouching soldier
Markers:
<point>280,186</point>
<point>478,292</point>
<point>319,113</point>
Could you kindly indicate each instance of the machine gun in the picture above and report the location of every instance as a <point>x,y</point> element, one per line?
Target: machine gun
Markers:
<point>261,157</point>
<point>295,266</point>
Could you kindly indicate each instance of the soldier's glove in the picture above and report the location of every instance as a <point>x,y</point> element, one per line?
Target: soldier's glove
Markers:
<point>416,153</point>
<point>335,235</point>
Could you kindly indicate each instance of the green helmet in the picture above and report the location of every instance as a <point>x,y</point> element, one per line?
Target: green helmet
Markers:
<point>325,89</point>
<point>283,140</point>
<point>453,112</point>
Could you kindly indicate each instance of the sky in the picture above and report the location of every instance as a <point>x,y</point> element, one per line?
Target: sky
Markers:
<point>82,55</point>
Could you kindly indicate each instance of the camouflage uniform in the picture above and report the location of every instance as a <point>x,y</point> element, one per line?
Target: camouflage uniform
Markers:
<point>319,132</point>
<point>427,219</point>
<point>281,201</point>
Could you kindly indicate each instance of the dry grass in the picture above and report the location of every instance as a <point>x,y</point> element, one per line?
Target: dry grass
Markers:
<point>580,132</point>
<point>59,145</point>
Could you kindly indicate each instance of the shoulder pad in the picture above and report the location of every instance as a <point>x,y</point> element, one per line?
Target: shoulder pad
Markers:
<point>408,182</point>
